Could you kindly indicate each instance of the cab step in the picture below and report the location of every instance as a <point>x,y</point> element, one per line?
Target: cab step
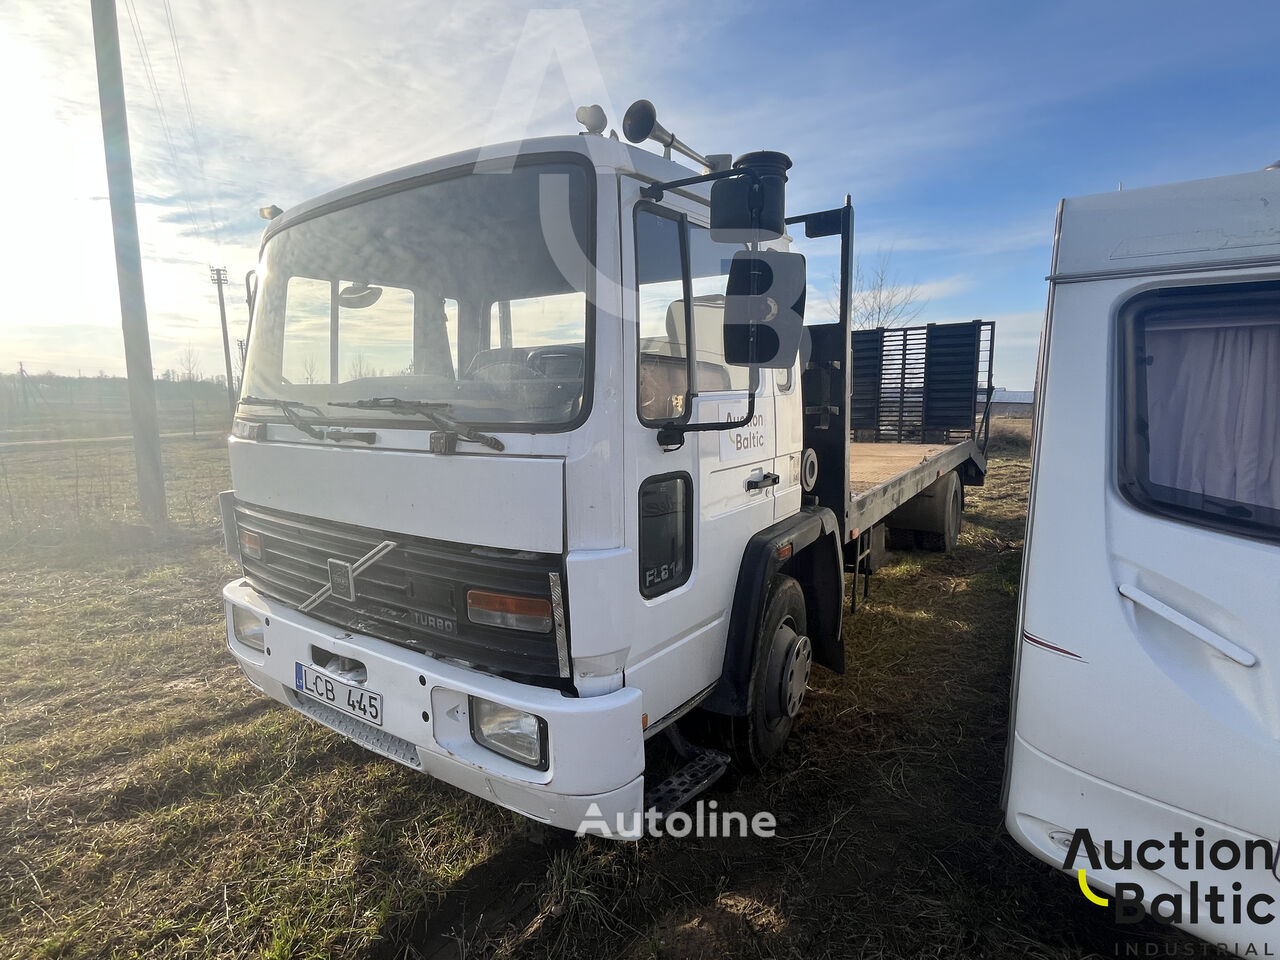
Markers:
<point>703,767</point>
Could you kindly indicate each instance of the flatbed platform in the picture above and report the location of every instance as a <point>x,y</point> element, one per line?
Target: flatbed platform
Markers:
<point>871,464</point>
<point>883,476</point>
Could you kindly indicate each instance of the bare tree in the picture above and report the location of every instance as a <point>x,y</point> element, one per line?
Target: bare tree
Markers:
<point>360,368</point>
<point>309,367</point>
<point>189,363</point>
<point>879,298</point>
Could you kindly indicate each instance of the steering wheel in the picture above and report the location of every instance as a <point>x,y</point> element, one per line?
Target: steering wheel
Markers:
<point>505,371</point>
<point>653,403</point>
<point>649,404</point>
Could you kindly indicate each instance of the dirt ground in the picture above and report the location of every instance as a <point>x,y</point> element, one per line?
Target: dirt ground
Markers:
<point>153,805</point>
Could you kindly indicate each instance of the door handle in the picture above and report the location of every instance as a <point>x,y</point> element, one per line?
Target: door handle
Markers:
<point>762,481</point>
<point>1198,630</point>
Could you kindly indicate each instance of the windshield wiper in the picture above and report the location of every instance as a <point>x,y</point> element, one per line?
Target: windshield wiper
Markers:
<point>290,410</point>
<point>433,411</point>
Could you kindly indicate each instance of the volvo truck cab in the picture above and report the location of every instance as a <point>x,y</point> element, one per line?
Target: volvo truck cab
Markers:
<point>530,461</point>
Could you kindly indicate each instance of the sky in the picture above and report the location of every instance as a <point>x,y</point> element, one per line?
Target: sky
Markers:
<point>956,128</point>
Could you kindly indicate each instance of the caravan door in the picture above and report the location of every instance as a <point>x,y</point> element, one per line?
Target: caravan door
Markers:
<point>1146,698</point>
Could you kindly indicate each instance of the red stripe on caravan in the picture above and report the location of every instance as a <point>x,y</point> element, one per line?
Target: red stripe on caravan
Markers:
<point>1051,647</point>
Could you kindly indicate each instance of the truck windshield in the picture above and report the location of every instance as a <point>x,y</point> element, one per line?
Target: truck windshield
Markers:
<point>471,291</point>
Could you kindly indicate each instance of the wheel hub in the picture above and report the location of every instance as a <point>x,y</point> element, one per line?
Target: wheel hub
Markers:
<point>790,660</point>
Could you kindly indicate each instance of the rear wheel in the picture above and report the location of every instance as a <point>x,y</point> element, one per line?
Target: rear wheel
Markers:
<point>948,517</point>
<point>930,520</point>
<point>779,677</point>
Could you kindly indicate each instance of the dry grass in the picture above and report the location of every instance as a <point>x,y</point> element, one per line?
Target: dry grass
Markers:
<point>152,805</point>
<point>60,493</point>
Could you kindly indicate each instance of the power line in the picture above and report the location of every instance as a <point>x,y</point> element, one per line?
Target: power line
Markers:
<point>191,121</point>
<point>149,72</point>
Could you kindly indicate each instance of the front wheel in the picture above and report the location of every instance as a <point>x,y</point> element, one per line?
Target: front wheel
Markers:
<point>779,677</point>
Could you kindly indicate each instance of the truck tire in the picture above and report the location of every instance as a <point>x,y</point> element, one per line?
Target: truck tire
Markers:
<point>949,509</point>
<point>779,676</point>
<point>931,519</point>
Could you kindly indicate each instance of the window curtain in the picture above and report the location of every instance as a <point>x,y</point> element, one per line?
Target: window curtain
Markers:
<point>1213,404</point>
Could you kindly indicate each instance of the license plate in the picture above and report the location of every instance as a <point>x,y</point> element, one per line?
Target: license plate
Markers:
<point>363,704</point>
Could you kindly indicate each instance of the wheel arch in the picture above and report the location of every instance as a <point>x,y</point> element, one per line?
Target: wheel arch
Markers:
<point>806,547</point>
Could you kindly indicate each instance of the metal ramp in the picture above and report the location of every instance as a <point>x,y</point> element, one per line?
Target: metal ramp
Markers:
<point>929,383</point>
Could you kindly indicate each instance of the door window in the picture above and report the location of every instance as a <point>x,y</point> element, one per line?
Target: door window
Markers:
<point>709,278</point>
<point>662,291</point>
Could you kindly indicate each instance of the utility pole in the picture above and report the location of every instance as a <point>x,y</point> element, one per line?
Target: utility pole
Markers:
<point>124,228</point>
<point>218,277</point>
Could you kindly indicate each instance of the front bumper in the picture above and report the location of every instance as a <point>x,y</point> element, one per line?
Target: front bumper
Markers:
<point>595,744</point>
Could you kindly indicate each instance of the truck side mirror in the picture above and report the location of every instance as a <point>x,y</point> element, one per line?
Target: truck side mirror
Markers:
<point>764,309</point>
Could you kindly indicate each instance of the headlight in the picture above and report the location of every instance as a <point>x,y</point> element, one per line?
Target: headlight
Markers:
<point>247,430</point>
<point>248,629</point>
<point>514,734</point>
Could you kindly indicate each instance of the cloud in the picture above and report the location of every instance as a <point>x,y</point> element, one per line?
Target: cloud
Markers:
<point>289,100</point>
<point>937,289</point>
<point>914,111</point>
<point>940,236</point>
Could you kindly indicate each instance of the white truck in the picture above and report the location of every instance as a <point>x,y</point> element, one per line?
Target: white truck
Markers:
<point>533,457</point>
<point>1145,731</point>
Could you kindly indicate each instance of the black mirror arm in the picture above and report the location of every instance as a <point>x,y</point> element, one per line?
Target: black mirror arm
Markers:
<point>655,190</point>
<point>671,435</point>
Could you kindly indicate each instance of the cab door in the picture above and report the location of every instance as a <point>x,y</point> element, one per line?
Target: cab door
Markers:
<point>737,464</point>
<point>691,507</point>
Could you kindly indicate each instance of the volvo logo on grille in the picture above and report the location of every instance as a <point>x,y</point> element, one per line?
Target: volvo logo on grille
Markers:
<point>342,580</point>
<point>342,576</point>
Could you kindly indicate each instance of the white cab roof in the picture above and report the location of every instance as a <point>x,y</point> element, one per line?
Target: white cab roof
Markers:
<point>608,156</point>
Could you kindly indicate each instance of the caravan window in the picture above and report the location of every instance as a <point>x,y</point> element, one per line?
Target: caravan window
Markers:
<point>1201,405</point>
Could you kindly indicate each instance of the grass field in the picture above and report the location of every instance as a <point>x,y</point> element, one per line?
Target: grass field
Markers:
<point>46,407</point>
<point>153,805</point>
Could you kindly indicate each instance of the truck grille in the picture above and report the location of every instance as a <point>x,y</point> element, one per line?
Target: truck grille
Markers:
<point>414,595</point>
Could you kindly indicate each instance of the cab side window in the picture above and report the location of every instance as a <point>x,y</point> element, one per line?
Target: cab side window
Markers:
<point>662,291</point>
<point>709,275</point>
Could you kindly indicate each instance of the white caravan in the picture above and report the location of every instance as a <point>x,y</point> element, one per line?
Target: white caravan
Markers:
<point>1146,691</point>
<point>534,457</point>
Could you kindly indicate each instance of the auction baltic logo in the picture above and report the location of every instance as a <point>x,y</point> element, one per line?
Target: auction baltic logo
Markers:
<point>1223,905</point>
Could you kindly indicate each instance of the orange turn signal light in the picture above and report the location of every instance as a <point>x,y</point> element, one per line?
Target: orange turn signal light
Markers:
<point>250,544</point>
<point>505,610</point>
